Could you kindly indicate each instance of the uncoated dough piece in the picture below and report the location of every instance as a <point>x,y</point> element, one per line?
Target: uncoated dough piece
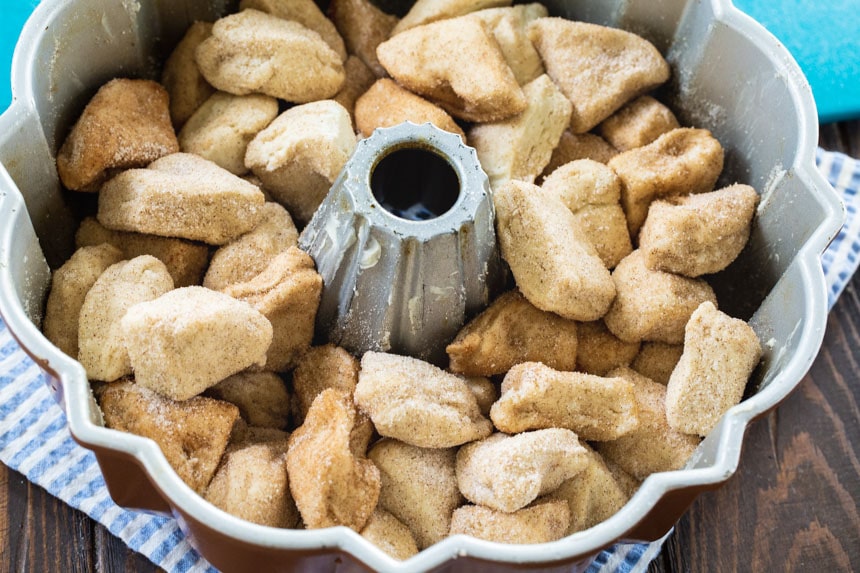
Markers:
<point>181,77</point>
<point>413,401</point>
<point>520,147</point>
<point>301,153</point>
<point>419,487</point>
<point>185,261</point>
<point>592,192</point>
<point>250,254</point>
<point>535,396</point>
<point>698,234</point>
<point>427,11</point>
<point>306,13</point>
<point>598,68</point>
<point>390,534</point>
<point>287,293</point>
<point>653,446</point>
<point>222,127</point>
<point>363,27</point>
<point>253,52</point>
<point>720,353</point>
<point>457,64</point>
<point>555,266</point>
<point>506,473</point>
<point>681,162</point>
<point>638,123</point>
<point>191,338</point>
<point>653,305</point>
<point>261,397</point>
<point>181,195</point>
<point>69,287</point>
<point>540,522</point>
<point>322,367</point>
<point>102,345</point>
<point>126,124</point>
<point>511,331</point>
<point>510,29</point>
<point>332,483</point>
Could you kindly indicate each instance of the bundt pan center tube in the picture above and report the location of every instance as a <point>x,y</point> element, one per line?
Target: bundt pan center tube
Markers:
<point>728,75</point>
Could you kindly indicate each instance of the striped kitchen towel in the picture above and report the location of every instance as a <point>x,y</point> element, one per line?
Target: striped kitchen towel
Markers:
<point>35,440</point>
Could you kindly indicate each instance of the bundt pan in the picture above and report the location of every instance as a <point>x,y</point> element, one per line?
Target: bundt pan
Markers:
<point>728,75</point>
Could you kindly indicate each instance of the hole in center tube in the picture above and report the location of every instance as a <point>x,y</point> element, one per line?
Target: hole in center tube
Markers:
<point>415,184</point>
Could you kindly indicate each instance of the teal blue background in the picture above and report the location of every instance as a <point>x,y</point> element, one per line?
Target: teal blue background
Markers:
<point>823,35</point>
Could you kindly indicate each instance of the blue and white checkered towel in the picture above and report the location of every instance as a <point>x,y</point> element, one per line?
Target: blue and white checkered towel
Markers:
<point>35,440</point>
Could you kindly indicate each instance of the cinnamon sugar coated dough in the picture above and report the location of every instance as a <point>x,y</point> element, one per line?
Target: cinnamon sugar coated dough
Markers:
<point>390,534</point>
<point>485,391</point>
<point>331,483</point>
<point>363,27</point>
<point>720,353</point>
<point>536,396</point>
<point>509,27</point>
<point>638,123</point>
<point>181,195</point>
<point>653,446</point>
<point>555,266</point>
<point>192,434</point>
<point>322,367</point>
<point>185,260</point>
<point>426,11</point>
<point>539,523</point>
<point>181,77</point>
<point>599,69</point>
<point>126,124</point>
<point>261,397</point>
<point>506,473</point>
<point>386,104</point>
<point>419,487</point>
<point>253,52</point>
<point>657,360</point>
<point>600,351</point>
<point>456,64</point>
<point>416,402</point>
<point>510,331</point>
<point>102,347</point>
<point>582,146</point>
<point>358,79</point>
<point>306,13</point>
<point>191,338</point>
<point>69,287</point>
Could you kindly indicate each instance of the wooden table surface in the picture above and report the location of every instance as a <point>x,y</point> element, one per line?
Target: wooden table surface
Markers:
<point>793,504</point>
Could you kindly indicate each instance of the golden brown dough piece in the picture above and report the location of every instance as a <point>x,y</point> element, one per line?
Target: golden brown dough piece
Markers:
<point>510,331</point>
<point>126,124</point>
<point>301,153</point>
<point>599,350</point>
<point>181,77</point>
<point>181,195</point>
<point>185,261</point>
<point>261,397</point>
<point>653,446</point>
<point>331,482</point>
<point>253,52</point>
<point>541,522</point>
<point>599,69</point>
<point>535,396</point>
<point>638,123</point>
<point>287,293</point>
<point>252,484</point>
<point>521,146</point>
<point>506,473</point>
<point>457,64</point>
<point>191,338</point>
<point>720,353</point>
<point>509,27</point>
<point>224,124</point>
<point>681,162</point>
<point>358,79</point>
<point>192,434</point>
<point>698,234</point>
<point>413,401</point>
<point>427,11</point>
<point>102,345</point>
<point>419,487</point>
<point>592,192</point>
<point>390,534</point>
<point>386,104</point>
<point>69,287</point>
<point>656,360</point>
<point>250,254</point>
<point>653,305</point>
<point>306,13</point>
<point>363,27</point>
<point>583,146</point>
<point>322,367</point>
<point>555,266</point>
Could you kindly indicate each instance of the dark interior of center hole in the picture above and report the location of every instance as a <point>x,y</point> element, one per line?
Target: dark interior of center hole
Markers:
<point>415,184</point>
